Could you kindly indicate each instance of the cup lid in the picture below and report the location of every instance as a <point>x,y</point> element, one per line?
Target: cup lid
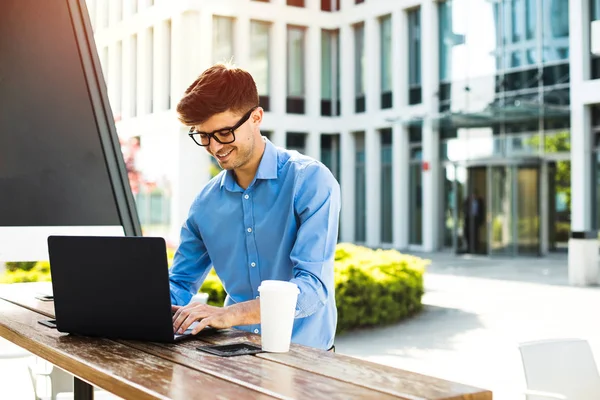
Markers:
<point>274,285</point>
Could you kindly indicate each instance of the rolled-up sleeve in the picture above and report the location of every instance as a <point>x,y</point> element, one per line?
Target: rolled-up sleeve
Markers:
<point>317,208</point>
<point>190,264</point>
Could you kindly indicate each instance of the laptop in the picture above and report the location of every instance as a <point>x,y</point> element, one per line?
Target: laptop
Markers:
<point>113,287</point>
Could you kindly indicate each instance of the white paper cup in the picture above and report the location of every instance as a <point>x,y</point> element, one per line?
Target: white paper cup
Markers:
<point>277,310</point>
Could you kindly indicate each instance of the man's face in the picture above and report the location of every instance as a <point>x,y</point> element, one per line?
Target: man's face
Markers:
<point>236,154</point>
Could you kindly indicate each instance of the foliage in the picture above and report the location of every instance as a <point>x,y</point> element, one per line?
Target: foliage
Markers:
<point>20,265</point>
<point>40,272</point>
<point>373,287</point>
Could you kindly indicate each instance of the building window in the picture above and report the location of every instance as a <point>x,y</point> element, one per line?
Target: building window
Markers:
<point>295,3</point>
<point>359,67</point>
<point>330,5</point>
<point>330,153</point>
<point>386,186</point>
<point>222,39</point>
<point>330,73</point>
<point>360,214</point>
<point>296,141</point>
<point>295,70</point>
<point>415,186</point>
<point>267,134</point>
<point>386,61</point>
<point>259,60</point>
<point>414,56</point>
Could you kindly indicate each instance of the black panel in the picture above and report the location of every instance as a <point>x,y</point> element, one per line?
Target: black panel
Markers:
<point>414,95</point>
<point>56,148</point>
<point>386,100</point>
<point>326,107</point>
<point>595,72</point>
<point>360,104</point>
<point>295,105</point>
<point>264,102</point>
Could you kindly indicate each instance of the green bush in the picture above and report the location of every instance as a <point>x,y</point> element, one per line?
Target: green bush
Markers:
<point>20,265</point>
<point>372,287</point>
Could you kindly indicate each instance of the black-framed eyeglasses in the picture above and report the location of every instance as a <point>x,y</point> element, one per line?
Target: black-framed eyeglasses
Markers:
<point>223,135</point>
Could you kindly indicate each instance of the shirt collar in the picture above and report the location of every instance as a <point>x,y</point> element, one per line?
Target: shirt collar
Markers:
<point>267,168</point>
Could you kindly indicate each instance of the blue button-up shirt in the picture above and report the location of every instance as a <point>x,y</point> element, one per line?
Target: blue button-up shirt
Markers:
<point>283,226</point>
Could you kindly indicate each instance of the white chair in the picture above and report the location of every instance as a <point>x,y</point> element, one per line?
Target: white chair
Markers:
<point>560,369</point>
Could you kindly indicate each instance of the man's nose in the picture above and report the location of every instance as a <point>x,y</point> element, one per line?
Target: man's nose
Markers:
<point>214,146</point>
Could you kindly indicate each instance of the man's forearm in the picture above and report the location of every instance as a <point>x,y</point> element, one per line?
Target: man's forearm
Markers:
<point>246,313</point>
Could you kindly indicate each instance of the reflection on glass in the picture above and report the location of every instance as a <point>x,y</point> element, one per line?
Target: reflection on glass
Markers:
<point>559,198</point>
<point>259,56</point>
<point>416,204</point>
<point>528,211</point>
<point>502,201</point>
<point>386,190</point>
<point>448,219</point>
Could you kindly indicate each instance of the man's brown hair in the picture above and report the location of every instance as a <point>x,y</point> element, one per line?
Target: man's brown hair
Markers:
<point>220,88</point>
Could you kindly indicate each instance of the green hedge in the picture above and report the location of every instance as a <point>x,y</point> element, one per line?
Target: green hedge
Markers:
<point>372,287</point>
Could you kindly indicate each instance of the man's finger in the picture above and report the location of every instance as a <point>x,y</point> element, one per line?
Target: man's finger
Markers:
<point>203,323</point>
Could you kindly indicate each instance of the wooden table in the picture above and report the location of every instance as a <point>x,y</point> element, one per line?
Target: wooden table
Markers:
<point>144,370</point>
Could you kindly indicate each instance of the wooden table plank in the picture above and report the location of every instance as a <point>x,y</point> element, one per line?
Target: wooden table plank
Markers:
<point>120,369</point>
<point>385,379</point>
<point>259,374</point>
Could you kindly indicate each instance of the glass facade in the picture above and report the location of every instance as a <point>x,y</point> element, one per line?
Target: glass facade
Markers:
<point>359,67</point>
<point>415,188</point>
<point>295,70</point>
<point>296,141</point>
<point>386,186</point>
<point>414,56</point>
<point>360,187</point>
<point>385,24</point>
<point>259,59</point>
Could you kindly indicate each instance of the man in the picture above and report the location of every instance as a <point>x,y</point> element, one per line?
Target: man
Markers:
<point>474,216</point>
<point>270,214</point>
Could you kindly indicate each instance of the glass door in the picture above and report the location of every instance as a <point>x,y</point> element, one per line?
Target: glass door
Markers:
<point>528,210</point>
<point>501,210</point>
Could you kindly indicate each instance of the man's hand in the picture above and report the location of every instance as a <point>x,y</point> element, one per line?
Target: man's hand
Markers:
<point>246,313</point>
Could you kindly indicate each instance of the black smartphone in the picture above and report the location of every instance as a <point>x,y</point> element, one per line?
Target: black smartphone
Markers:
<point>45,297</point>
<point>50,323</point>
<point>230,350</point>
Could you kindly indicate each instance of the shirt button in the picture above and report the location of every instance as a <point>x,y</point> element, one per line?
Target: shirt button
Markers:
<point>246,197</point>
<point>249,230</point>
<point>256,331</point>
<point>253,264</point>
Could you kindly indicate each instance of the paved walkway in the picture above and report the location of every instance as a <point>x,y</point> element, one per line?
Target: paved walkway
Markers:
<point>476,312</point>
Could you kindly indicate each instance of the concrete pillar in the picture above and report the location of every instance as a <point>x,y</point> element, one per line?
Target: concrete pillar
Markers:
<point>373,186</point>
<point>347,181</point>
<point>313,144</point>
<point>278,137</point>
<point>192,173</point>
<point>312,51</point>
<point>161,70</point>
<point>145,39</point>
<point>431,158</point>
<point>112,80</point>
<point>583,244</point>
<point>241,41</point>
<point>278,68</point>
<point>130,61</point>
<point>192,162</point>
<point>400,190</point>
